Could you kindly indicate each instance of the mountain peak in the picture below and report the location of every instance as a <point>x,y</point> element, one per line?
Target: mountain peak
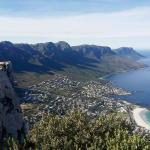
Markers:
<point>62,45</point>
<point>6,43</point>
<point>93,51</point>
<point>128,52</point>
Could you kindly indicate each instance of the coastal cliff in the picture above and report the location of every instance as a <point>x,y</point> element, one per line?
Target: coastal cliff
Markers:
<point>11,119</point>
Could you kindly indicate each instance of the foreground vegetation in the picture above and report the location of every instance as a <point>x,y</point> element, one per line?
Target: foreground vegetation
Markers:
<point>77,131</point>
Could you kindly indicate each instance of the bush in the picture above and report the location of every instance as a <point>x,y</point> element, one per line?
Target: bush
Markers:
<point>76,131</point>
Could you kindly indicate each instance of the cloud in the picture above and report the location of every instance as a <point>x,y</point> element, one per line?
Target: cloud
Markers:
<point>131,24</point>
<point>44,8</point>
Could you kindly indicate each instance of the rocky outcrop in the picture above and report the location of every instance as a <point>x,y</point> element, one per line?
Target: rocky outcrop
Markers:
<point>11,119</point>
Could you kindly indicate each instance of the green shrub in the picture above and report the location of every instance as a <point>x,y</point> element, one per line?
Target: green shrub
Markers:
<point>76,131</point>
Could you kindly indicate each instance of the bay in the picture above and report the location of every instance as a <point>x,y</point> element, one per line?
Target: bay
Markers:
<point>136,81</point>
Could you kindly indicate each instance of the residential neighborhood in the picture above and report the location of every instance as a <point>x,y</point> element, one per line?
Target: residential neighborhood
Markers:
<point>61,94</point>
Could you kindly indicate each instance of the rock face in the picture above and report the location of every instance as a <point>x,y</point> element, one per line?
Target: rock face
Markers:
<point>94,51</point>
<point>128,52</point>
<point>44,57</point>
<point>36,62</point>
<point>11,119</point>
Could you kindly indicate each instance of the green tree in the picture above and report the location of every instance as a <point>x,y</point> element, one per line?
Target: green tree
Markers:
<point>76,131</point>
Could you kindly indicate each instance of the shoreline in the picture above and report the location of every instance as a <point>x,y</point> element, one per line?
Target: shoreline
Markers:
<point>104,77</point>
<point>139,115</point>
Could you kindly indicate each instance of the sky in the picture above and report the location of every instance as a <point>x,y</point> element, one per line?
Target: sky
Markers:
<point>113,23</point>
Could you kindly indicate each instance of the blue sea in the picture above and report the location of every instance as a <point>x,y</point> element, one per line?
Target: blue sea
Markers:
<point>147,116</point>
<point>136,81</point>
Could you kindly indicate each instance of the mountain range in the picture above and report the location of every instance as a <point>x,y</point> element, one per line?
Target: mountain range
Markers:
<point>38,61</point>
<point>128,52</point>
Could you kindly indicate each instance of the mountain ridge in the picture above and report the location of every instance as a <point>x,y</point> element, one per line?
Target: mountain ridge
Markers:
<point>47,58</point>
<point>128,52</point>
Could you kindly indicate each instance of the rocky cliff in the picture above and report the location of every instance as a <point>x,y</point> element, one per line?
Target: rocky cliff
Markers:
<point>11,119</point>
<point>128,52</point>
<point>34,63</point>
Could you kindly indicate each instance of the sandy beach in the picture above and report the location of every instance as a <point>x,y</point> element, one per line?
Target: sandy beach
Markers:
<point>140,118</point>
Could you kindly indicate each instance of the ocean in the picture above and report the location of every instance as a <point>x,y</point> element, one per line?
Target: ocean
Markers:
<point>136,81</point>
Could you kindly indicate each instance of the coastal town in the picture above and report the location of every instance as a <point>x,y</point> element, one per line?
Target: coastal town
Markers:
<point>61,94</point>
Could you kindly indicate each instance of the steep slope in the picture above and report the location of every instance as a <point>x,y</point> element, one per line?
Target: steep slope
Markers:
<point>36,62</point>
<point>11,119</point>
<point>93,51</point>
<point>128,52</point>
<point>116,64</point>
<point>20,57</point>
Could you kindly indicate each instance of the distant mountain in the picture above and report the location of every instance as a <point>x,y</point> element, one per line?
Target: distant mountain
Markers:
<point>34,62</point>
<point>128,52</point>
<point>93,51</point>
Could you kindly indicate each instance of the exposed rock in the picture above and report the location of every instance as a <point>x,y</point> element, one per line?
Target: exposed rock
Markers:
<point>93,51</point>
<point>128,52</point>
<point>11,119</point>
<point>39,61</point>
<point>61,45</point>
